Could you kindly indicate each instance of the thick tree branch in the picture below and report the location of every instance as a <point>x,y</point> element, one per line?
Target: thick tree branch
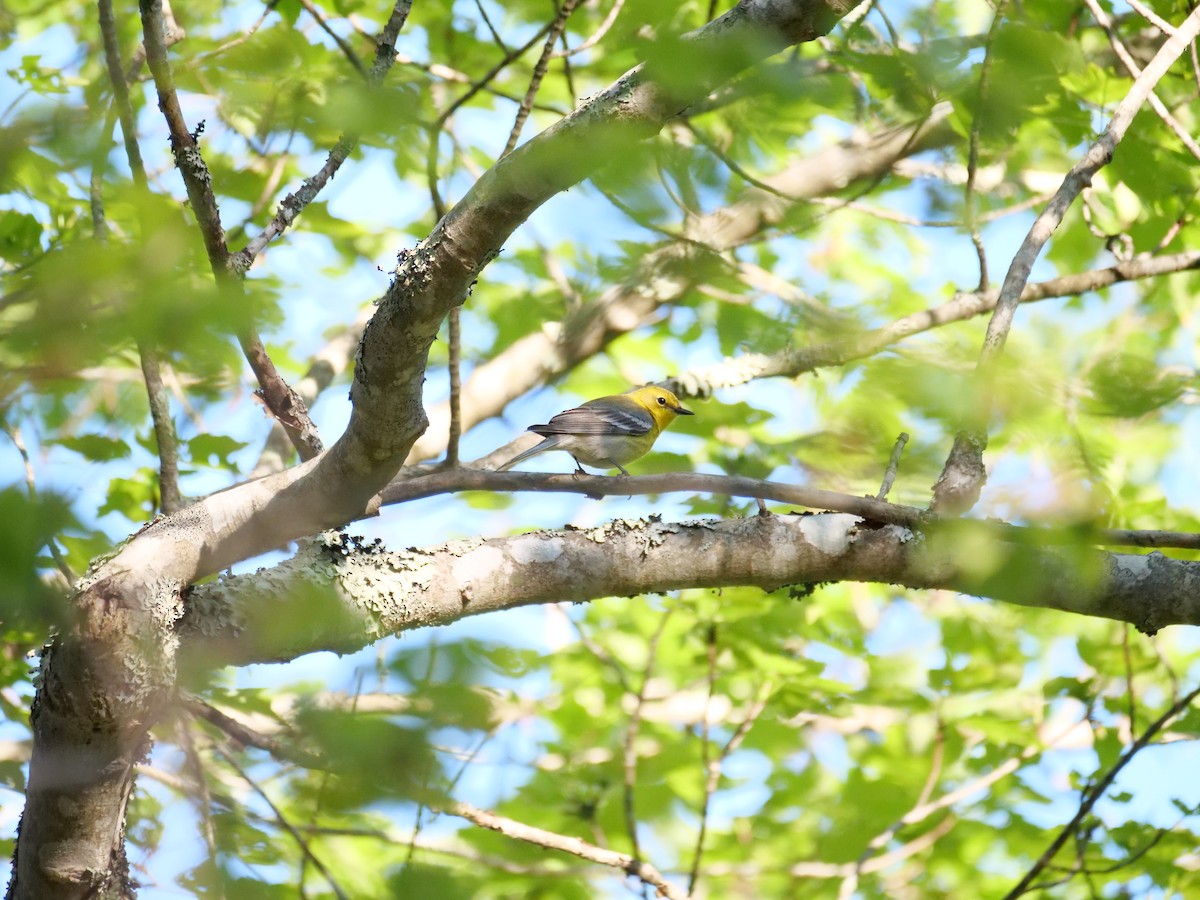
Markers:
<point>342,595</point>
<point>963,476</point>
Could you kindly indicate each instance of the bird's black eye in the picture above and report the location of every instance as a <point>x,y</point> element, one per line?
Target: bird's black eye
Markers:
<point>662,401</point>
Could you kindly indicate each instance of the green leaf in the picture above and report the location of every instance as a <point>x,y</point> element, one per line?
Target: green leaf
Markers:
<point>95,447</point>
<point>204,447</point>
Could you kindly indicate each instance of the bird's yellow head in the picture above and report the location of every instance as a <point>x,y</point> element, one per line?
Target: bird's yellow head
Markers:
<point>660,403</point>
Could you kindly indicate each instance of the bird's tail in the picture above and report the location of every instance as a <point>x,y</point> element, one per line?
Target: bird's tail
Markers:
<point>547,444</point>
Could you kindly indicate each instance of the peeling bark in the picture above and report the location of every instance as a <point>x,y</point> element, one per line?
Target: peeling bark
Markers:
<point>344,594</point>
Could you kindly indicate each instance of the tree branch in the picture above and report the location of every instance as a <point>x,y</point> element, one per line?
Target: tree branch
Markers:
<point>416,487</point>
<point>963,476</point>
<point>629,756</point>
<point>171,500</point>
<point>560,346</point>
<point>796,361</point>
<point>1096,791</point>
<point>160,410</point>
<point>196,177</point>
<point>557,26</point>
<point>575,846</point>
<point>285,405</point>
<point>294,203</point>
<point>366,593</point>
<point>1123,54</point>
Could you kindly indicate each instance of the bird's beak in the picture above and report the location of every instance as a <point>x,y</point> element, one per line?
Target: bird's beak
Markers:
<point>683,412</point>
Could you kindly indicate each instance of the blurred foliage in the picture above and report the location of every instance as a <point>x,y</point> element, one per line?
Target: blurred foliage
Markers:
<point>832,740</point>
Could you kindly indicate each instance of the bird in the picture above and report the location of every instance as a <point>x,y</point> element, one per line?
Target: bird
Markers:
<point>609,431</point>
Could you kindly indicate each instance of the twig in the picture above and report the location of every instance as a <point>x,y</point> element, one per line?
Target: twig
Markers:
<point>245,736</point>
<point>1090,797</point>
<point>793,362</point>
<point>841,870</point>
<point>202,796</point>
<point>170,497</point>
<point>1149,15</point>
<point>890,215</point>
<point>160,410</point>
<point>14,435</point>
<point>464,764</point>
<point>714,766</point>
<point>1176,226</point>
<point>120,87</point>
<point>850,882</point>
<point>415,486</point>
<point>436,202</point>
<point>575,846</point>
<point>1130,694</point>
<point>889,477</point>
<point>1120,244</point>
<point>483,14</point>
<point>962,477</point>
<point>418,819</point>
<point>1165,666</point>
<point>710,782</point>
<point>927,807</point>
<point>629,759</point>
<point>1192,52</point>
<point>597,651</point>
<point>280,398</point>
<point>294,203</point>
<point>347,50</point>
<point>447,73</point>
<point>174,34</point>
<point>539,72</point>
<point>592,41</point>
<point>268,8</point>
<point>985,71</point>
<point>435,127</point>
<point>454,349</point>
<point>1127,61</point>
<point>482,83</point>
<point>283,821</point>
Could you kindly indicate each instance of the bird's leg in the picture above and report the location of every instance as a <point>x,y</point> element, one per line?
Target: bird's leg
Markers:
<point>621,467</point>
<point>580,470</point>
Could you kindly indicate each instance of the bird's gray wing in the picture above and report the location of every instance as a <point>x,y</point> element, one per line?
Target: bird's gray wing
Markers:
<point>597,420</point>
